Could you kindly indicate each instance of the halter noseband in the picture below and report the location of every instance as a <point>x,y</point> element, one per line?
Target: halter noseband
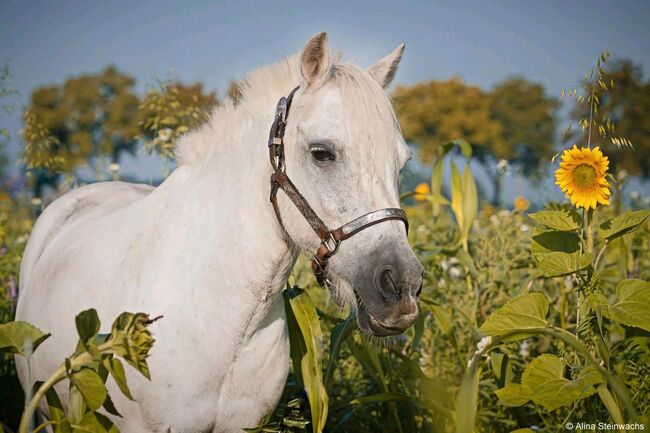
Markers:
<point>330,239</point>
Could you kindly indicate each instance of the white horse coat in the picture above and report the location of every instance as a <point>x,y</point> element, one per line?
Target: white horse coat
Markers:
<point>205,250</point>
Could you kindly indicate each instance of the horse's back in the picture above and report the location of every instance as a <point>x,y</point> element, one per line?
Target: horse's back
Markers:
<point>90,201</point>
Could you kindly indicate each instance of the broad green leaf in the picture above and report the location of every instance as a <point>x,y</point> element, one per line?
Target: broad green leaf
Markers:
<point>520,315</point>
<point>622,224</point>
<point>87,324</point>
<point>116,369</point>
<point>467,401</point>
<point>305,339</point>
<point>20,337</point>
<point>95,422</point>
<point>57,413</point>
<point>546,242</point>
<point>632,307</point>
<point>90,386</point>
<point>340,333</point>
<point>544,383</point>
<point>557,264</point>
<point>513,394</point>
<point>557,219</point>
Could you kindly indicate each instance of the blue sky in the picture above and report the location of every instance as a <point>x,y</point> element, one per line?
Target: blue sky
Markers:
<point>553,42</point>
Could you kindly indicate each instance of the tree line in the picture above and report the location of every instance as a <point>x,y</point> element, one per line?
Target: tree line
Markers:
<point>94,119</point>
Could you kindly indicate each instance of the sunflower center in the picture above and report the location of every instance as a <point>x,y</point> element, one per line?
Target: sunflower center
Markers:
<point>584,176</point>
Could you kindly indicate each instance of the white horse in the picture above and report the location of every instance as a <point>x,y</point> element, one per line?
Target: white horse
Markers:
<point>204,249</point>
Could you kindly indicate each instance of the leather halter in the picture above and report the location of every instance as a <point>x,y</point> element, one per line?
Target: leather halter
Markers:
<point>330,239</point>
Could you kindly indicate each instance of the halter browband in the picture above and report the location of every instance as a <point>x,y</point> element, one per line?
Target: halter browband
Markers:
<point>330,239</point>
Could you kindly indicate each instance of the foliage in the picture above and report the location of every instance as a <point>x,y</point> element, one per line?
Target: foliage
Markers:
<point>515,121</point>
<point>87,369</point>
<point>611,95</point>
<point>170,110</point>
<point>93,119</point>
<point>88,116</point>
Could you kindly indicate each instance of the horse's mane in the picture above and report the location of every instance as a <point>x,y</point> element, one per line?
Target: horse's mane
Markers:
<point>259,92</point>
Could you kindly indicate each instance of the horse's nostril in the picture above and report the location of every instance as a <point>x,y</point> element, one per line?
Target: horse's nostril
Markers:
<point>387,283</point>
<point>419,290</point>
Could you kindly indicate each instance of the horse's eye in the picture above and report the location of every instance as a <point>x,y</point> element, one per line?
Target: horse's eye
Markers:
<point>321,154</point>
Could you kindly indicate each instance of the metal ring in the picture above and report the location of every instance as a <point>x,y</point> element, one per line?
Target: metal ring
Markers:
<point>331,250</point>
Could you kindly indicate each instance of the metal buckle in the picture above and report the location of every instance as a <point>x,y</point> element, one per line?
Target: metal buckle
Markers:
<point>331,250</point>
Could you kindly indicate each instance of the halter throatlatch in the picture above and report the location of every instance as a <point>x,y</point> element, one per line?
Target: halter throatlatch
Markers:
<point>330,239</point>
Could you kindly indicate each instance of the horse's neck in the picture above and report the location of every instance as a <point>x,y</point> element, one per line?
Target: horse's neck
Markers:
<point>229,201</point>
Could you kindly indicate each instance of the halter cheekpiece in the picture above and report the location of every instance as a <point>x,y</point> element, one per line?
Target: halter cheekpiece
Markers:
<point>330,239</point>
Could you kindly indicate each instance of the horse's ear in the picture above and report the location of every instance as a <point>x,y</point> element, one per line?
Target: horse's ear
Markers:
<point>384,70</point>
<point>315,60</point>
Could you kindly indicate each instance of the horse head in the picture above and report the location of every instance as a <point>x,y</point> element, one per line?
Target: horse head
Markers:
<point>344,152</point>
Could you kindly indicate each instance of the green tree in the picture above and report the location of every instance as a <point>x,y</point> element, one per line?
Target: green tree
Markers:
<point>85,120</point>
<point>94,118</point>
<point>170,110</point>
<point>623,98</point>
<point>515,121</point>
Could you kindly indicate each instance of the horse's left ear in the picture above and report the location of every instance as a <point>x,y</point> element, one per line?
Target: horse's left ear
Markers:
<point>384,70</point>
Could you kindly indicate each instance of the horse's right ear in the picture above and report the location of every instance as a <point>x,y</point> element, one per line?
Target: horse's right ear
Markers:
<point>315,60</point>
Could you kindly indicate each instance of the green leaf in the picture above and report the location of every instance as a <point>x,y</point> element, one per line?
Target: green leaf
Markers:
<point>21,338</point>
<point>546,242</point>
<point>467,401</point>
<point>464,200</point>
<point>521,315</point>
<point>116,369</point>
<point>340,333</point>
<point>557,264</point>
<point>87,324</point>
<point>94,422</point>
<point>544,383</point>
<point>513,394</point>
<point>57,413</point>
<point>622,224</point>
<point>305,339</point>
<point>110,406</point>
<point>557,219</point>
<point>90,386</point>
<point>632,307</point>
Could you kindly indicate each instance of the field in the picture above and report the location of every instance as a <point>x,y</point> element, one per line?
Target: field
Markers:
<point>534,314</point>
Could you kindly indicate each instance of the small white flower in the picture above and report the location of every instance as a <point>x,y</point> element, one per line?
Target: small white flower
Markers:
<point>485,342</point>
<point>634,195</point>
<point>502,166</point>
<point>524,228</point>
<point>114,167</point>
<point>523,350</point>
<point>455,272</point>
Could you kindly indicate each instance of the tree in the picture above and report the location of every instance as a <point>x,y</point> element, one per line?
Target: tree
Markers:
<point>172,109</point>
<point>86,118</point>
<point>94,118</point>
<point>515,121</point>
<point>624,99</point>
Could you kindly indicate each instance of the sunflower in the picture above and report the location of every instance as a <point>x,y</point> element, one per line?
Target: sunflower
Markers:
<point>422,191</point>
<point>581,176</point>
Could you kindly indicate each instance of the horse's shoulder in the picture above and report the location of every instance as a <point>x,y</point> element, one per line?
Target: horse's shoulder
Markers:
<point>76,206</point>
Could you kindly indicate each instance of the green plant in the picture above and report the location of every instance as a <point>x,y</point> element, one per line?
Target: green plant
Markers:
<point>87,369</point>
